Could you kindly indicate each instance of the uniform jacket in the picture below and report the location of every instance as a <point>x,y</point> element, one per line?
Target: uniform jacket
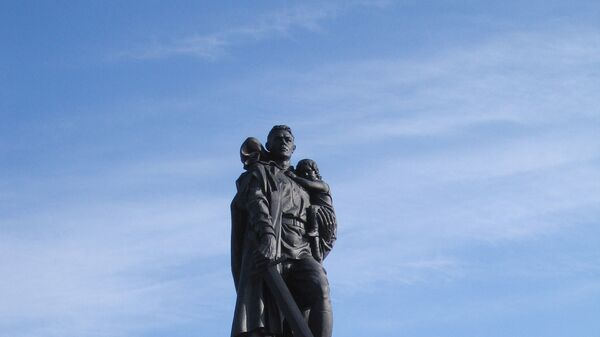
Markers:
<point>256,188</point>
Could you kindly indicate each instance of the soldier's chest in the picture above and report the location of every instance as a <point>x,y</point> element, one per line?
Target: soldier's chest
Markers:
<point>291,193</point>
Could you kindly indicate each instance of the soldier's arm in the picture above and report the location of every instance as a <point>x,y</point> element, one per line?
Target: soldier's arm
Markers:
<point>260,222</point>
<point>311,185</point>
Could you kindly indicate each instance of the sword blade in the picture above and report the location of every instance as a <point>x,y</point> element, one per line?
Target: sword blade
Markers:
<point>286,302</point>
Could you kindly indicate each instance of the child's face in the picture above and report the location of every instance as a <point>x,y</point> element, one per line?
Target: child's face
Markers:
<point>307,172</point>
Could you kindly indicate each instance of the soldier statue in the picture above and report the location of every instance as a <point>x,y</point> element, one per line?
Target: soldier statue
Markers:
<point>283,222</point>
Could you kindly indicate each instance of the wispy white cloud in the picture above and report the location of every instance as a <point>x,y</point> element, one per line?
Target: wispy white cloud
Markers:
<point>277,24</point>
<point>494,310</point>
<point>532,78</point>
<point>207,47</point>
<point>421,207</point>
<point>115,263</point>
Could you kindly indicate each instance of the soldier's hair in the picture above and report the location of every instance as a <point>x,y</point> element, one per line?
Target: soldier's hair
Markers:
<point>310,164</point>
<point>278,128</point>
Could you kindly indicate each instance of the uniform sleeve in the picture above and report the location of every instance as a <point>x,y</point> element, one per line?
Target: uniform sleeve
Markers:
<point>257,205</point>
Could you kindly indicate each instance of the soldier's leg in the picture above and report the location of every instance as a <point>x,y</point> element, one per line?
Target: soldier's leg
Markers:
<point>308,283</point>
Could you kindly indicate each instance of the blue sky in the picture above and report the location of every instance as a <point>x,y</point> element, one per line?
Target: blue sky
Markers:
<point>460,139</point>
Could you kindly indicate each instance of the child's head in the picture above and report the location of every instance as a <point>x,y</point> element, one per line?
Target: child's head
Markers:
<point>307,168</point>
<point>251,151</point>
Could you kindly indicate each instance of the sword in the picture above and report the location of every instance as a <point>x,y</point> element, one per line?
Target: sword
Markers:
<point>285,301</point>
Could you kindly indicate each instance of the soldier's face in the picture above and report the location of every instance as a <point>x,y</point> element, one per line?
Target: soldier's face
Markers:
<point>281,144</point>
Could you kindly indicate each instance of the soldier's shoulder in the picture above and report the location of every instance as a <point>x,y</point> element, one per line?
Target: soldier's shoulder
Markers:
<point>258,170</point>
<point>260,167</point>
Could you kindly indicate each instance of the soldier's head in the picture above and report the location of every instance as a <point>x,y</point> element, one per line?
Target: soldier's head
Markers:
<point>307,168</point>
<point>280,143</point>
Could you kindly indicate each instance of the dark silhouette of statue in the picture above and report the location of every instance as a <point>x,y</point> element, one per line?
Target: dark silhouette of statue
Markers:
<point>283,226</point>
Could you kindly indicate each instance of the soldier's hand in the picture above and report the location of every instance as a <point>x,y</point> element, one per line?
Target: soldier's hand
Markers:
<point>268,246</point>
<point>266,252</point>
<point>290,174</point>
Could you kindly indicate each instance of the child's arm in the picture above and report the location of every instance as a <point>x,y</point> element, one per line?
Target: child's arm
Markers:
<point>311,185</point>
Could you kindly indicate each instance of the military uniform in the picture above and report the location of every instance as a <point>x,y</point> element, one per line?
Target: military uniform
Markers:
<point>270,203</point>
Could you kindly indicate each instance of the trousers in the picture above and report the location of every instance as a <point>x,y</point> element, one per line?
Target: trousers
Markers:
<point>307,281</point>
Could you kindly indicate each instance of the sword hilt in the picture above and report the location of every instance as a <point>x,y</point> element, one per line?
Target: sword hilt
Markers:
<point>277,261</point>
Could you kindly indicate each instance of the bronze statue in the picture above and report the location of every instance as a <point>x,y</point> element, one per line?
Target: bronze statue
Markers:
<point>283,226</point>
